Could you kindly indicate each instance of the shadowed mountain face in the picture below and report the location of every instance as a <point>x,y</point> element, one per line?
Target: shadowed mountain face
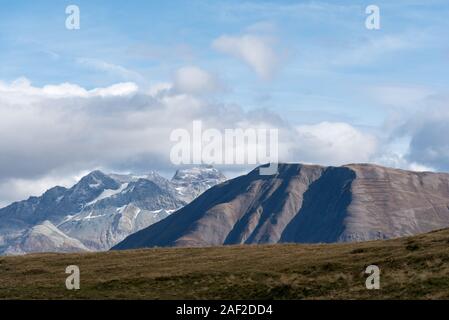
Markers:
<point>99,211</point>
<point>306,204</point>
<point>54,204</point>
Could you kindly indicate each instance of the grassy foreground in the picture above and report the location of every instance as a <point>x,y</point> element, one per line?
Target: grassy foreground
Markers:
<point>411,268</point>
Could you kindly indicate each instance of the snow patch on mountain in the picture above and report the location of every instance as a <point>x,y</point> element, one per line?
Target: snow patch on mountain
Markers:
<point>108,193</point>
<point>100,210</point>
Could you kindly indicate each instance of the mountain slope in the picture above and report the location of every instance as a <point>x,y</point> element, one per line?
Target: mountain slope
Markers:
<point>56,203</point>
<point>306,204</point>
<point>140,202</point>
<point>107,221</point>
<point>103,209</point>
<point>44,237</point>
<point>190,183</point>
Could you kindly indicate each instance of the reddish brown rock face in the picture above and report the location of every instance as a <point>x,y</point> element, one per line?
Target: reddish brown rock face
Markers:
<point>307,204</point>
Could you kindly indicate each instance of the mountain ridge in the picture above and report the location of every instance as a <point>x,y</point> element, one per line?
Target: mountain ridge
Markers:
<point>306,204</point>
<point>102,209</point>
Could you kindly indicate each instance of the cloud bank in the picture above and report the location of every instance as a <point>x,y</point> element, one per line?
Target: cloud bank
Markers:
<point>57,132</point>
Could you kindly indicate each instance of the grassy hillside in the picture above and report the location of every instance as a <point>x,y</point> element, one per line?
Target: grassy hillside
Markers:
<point>415,267</point>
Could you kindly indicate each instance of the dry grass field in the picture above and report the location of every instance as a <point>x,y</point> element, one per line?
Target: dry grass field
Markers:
<point>411,268</point>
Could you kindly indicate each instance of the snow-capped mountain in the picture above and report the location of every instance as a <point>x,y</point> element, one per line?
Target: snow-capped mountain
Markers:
<point>190,183</point>
<point>100,210</point>
<point>55,204</point>
<point>108,220</point>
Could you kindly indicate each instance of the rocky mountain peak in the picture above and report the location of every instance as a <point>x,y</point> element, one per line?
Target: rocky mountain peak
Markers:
<point>101,209</point>
<point>307,204</point>
<point>191,182</point>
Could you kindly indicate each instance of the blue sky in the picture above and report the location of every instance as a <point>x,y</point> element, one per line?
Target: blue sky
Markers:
<point>330,60</point>
<point>314,64</point>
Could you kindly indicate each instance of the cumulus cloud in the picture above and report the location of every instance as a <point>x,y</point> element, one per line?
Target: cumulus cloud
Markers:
<point>53,133</point>
<point>194,80</point>
<point>416,128</point>
<point>334,143</point>
<point>257,51</point>
<point>22,90</point>
<point>61,130</point>
<point>429,143</point>
<point>398,159</point>
<point>159,88</point>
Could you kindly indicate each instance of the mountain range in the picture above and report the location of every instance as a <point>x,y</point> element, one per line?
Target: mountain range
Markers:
<point>199,207</point>
<point>306,204</point>
<point>99,211</point>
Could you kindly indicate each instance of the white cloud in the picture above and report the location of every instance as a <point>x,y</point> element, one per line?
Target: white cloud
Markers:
<point>419,167</point>
<point>421,124</point>
<point>61,130</point>
<point>119,89</point>
<point>53,132</point>
<point>255,50</point>
<point>159,88</point>
<point>22,90</point>
<point>194,80</point>
<point>396,159</point>
<point>333,144</point>
<point>429,144</point>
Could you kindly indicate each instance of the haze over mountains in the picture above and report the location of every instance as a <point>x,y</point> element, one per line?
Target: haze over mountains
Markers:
<point>99,211</point>
<point>306,204</point>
